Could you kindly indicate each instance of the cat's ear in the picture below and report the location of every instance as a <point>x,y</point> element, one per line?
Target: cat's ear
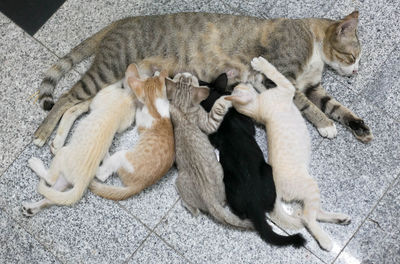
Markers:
<point>348,24</point>
<point>132,71</point>
<point>163,74</point>
<point>220,83</point>
<point>353,14</point>
<point>200,93</point>
<point>137,87</point>
<point>171,87</point>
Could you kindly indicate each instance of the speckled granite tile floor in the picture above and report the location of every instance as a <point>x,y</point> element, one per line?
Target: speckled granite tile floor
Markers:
<point>153,227</point>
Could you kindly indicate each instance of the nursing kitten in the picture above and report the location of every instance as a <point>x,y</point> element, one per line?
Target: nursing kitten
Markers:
<point>209,44</point>
<point>288,147</point>
<point>249,185</point>
<point>75,165</point>
<point>200,175</point>
<point>153,155</point>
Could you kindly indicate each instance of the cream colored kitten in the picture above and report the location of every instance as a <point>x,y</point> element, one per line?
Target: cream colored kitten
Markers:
<point>75,165</point>
<point>288,150</point>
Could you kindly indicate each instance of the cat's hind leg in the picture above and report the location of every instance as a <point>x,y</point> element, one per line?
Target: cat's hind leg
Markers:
<point>331,217</point>
<point>112,164</point>
<point>30,209</point>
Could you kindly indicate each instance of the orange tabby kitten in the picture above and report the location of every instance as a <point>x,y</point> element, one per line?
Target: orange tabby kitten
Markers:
<point>153,155</point>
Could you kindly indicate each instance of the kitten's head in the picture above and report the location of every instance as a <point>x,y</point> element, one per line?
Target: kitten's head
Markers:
<point>341,47</point>
<point>217,89</point>
<point>185,92</point>
<point>150,92</point>
<point>245,100</point>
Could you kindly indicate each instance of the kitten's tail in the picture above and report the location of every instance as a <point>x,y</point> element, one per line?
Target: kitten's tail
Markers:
<point>284,220</point>
<point>65,64</point>
<point>62,198</point>
<point>268,235</point>
<point>115,192</point>
<point>225,216</point>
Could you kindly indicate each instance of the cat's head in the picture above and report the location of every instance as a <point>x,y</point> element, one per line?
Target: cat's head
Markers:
<point>150,92</point>
<point>217,89</point>
<point>341,46</point>
<point>245,100</point>
<point>185,92</point>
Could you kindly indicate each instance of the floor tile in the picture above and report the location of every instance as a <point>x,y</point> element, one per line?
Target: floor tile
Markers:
<point>151,204</point>
<point>308,8</point>
<point>352,176</point>
<point>202,240</point>
<point>18,246</point>
<point>154,250</point>
<point>95,230</point>
<point>378,32</point>
<point>377,241</point>
<point>263,9</point>
<point>383,91</point>
<point>22,61</point>
<point>30,15</point>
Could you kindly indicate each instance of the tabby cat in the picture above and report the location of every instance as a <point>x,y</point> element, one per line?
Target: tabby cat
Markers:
<point>289,148</point>
<point>249,185</point>
<point>200,175</point>
<point>153,155</point>
<point>209,44</point>
<point>74,165</point>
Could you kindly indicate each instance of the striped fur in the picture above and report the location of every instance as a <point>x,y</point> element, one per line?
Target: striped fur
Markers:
<point>207,45</point>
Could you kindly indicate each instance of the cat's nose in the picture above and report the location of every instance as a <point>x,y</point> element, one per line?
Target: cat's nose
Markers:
<point>355,71</point>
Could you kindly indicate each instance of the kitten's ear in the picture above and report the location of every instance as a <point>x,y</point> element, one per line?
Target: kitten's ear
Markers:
<point>353,14</point>
<point>220,83</point>
<point>171,87</point>
<point>348,26</point>
<point>241,98</point>
<point>163,74</point>
<point>200,93</point>
<point>132,71</point>
<point>137,87</point>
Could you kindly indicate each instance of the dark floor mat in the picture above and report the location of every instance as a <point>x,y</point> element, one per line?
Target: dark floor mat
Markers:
<point>30,14</point>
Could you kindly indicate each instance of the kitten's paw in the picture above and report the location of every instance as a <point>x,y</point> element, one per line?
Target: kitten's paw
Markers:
<point>360,130</point>
<point>329,131</point>
<point>258,63</point>
<point>35,163</point>
<point>28,210</point>
<point>343,219</point>
<point>56,145</point>
<point>325,243</point>
<point>102,173</point>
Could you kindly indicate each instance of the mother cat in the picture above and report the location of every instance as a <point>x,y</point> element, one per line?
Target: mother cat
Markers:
<point>209,44</point>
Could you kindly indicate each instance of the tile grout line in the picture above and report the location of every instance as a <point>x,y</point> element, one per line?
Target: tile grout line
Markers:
<point>46,249</point>
<point>16,157</point>
<point>366,218</point>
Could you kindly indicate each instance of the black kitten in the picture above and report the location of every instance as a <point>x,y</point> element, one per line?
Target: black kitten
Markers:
<point>249,185</point>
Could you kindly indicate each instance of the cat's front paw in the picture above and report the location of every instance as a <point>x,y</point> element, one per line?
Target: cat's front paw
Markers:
<point>325,243</point>
<point>56,145</point>
<point>260,63</point>
<point>328,131</point>
<point>360,130</point>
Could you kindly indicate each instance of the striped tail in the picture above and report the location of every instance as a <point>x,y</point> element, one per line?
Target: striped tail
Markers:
<point>65,64</point>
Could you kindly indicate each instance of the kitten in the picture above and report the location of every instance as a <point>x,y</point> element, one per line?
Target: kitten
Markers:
<point>200,175</point>
<point>75,165</point>
<point>249,185</point>
<point>153,155</point>
<point>288,147</point>
<point>205,44</point>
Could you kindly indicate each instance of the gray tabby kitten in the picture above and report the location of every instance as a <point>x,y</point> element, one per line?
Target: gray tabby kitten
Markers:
<point>200,179</point>
<point>209,44</point>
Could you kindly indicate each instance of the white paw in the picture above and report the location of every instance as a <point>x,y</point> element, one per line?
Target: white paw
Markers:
<point>56,145</point>
<point>39,142</point>
<point>326,243</point>
<point>328,132</point>
<point>344,219</point>
<point>102,173</point>
<point>259,63</point>
<point>35,163</point>
<point>28,210</point>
